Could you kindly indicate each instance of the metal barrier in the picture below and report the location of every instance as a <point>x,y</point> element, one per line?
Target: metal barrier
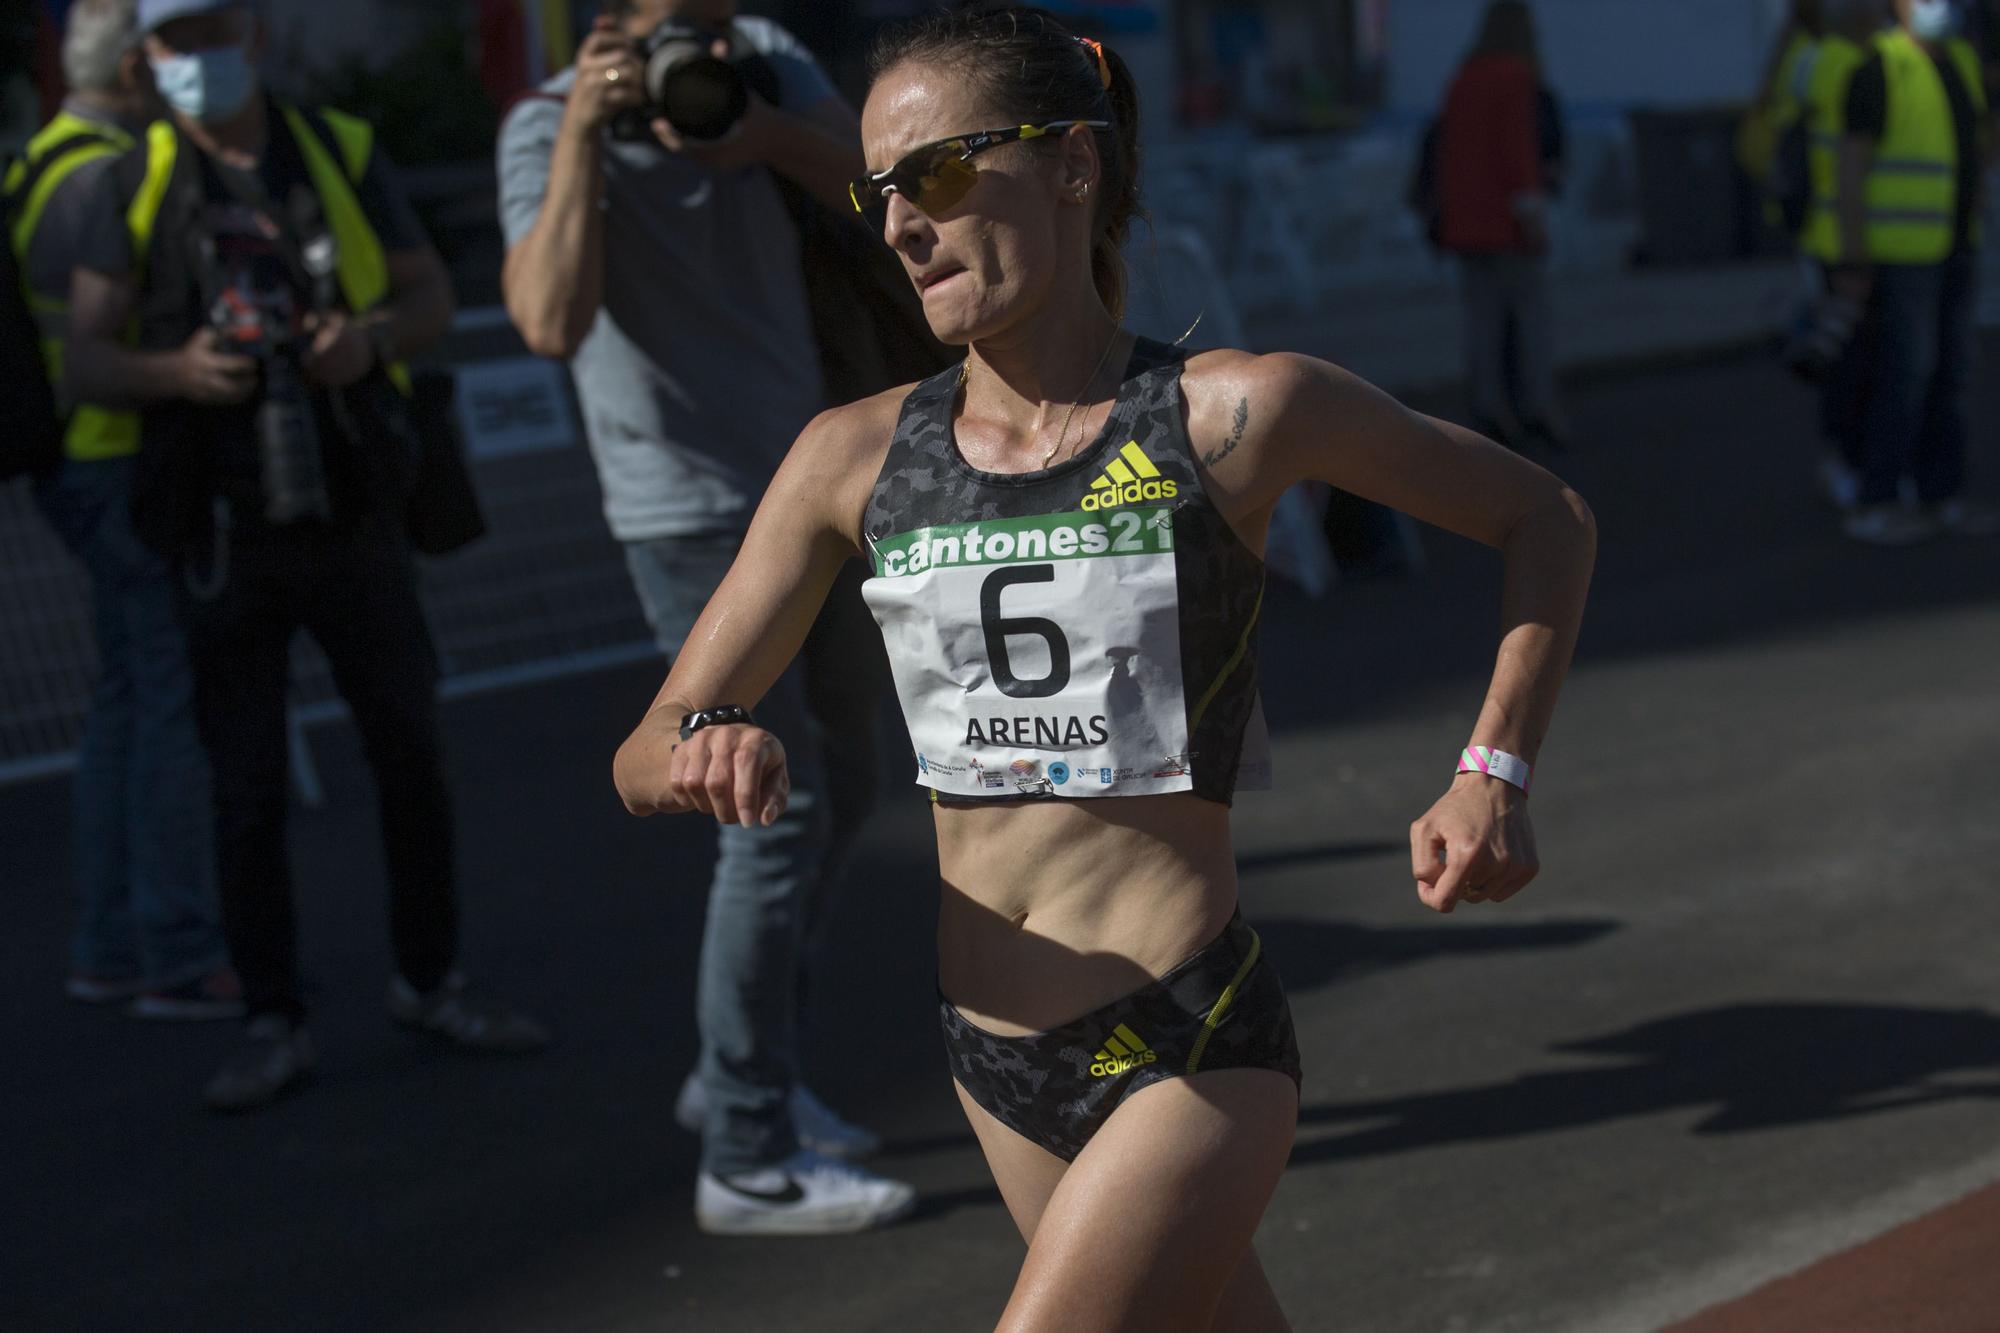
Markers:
<point>546,594</point>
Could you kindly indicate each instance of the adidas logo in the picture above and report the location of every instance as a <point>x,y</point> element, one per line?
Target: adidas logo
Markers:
<point>1124,1049</point>
<point>1130,479</point>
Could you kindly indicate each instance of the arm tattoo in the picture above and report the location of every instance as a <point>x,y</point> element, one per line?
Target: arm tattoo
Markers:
<point>1242,422</point>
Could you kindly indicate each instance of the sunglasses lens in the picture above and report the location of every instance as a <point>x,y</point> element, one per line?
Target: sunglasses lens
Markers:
<point>947,180</point>
<point>933,186</point>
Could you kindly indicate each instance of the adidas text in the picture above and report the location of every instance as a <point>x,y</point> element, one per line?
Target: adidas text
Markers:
<point>1132,492</point>
<point>1119,1065</point>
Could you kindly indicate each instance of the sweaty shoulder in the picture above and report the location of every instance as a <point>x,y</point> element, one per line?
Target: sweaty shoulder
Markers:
<point>840,453</point>
<point>1247,412</point>
<point>1231,394</point>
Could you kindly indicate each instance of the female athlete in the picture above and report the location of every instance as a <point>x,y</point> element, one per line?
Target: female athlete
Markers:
<point>1064,537</point>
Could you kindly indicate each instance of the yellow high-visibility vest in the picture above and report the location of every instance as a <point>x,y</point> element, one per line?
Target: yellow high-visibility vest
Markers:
<point>1911,198</point>
<point>68,142</point>
<point>1778,108</point>
<point>361,264</point>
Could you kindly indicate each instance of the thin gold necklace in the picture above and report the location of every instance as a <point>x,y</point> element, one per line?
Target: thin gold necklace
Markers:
<point>1102,357</point>
<point>965,374</point>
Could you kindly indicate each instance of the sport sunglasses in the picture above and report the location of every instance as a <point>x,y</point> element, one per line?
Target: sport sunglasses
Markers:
<point>939,174</point>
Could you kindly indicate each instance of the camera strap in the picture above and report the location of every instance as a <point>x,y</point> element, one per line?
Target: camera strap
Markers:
<point>303,242</point>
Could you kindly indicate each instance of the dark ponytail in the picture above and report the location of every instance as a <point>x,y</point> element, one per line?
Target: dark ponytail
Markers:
<point>1031,69</point>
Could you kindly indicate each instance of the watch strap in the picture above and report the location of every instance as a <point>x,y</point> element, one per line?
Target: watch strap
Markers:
<point>723,715</point>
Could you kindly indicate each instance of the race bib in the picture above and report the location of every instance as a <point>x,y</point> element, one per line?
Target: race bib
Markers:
<point>1039,655</point>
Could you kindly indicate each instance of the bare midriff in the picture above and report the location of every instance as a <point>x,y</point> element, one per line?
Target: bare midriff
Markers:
<point>1051,909</point>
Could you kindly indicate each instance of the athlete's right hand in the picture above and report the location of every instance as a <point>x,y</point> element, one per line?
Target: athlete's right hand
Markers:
<point>734,772</point>
<point>208,375</point>
<point>609,78</point>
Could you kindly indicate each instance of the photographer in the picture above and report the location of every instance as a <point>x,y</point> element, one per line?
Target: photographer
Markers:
<point>148,929</point>
<point>275,277</point>
<point>646,196</point>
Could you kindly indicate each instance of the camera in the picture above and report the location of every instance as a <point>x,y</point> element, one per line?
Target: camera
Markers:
<point>701,96</point>
<point>259,323</point>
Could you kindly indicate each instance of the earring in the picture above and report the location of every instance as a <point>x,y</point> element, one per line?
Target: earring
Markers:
<point>1083,192</point>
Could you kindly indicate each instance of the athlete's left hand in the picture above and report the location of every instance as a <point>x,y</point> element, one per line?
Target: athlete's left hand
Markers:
<point>341,353</point>
<point>1476,845</point>
<point>735,772</point>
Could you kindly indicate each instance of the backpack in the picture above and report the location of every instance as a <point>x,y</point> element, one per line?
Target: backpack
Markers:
<point>31,443</point>
<point>1790,183</point>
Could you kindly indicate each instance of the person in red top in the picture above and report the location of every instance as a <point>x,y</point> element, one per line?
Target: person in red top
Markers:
<point>1494,181</point>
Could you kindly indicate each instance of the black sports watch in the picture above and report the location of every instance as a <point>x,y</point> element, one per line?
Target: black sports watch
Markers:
<point>726,715</point>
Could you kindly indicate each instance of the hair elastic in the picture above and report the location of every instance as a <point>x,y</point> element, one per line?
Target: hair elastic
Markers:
<point>1103,65</point>
<point>1499,764</point>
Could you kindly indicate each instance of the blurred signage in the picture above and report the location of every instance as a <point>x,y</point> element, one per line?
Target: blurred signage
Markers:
<point>515,405</point>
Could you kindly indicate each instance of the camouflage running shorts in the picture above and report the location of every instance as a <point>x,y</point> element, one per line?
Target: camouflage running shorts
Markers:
<point>1223,1008</point>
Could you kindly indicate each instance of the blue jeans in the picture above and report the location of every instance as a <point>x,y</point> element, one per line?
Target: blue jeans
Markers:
<point>146,902</point>
<point>763,901</point>
<point>1920,380</point>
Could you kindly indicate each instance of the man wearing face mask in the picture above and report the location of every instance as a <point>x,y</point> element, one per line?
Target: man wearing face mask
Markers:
<point>1915,141</point>
<point>666,270</point>
<point>147,929</point>
<point>276,278</point>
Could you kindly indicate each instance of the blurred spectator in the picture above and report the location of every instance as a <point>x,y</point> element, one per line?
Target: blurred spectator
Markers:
<point>147,928</point>
<point>1835,343</point>
<point>1914,138</point>
<point>1772,143</point>
<point>1494,187</point>
<point>275,277</point>
<point>667,270</point>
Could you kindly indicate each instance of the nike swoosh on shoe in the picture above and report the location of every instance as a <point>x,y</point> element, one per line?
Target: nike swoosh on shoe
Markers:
<point>791,1193</point>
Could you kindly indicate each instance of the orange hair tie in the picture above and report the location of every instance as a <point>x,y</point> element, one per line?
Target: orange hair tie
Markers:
<point>1103,66</point>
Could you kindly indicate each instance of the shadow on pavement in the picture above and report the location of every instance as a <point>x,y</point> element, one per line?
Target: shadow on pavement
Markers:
<point>1248,863</point>
<point>1751,1066</point>
<point>1310,954</point>
<point>937,1203</point>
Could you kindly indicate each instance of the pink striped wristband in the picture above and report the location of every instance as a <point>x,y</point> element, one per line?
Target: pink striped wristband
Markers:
<point>1499,764</point>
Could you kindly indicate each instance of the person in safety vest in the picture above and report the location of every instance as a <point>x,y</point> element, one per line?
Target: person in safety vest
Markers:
<point>1835,334</point>
<point>1913,136</point>
<point>250,279</point>
<point>1766,136</point>
<point>147,928</point>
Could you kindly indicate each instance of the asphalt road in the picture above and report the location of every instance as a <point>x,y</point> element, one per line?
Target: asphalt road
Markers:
<point>1750,1014</point>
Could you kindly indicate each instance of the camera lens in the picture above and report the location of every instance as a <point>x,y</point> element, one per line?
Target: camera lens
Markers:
<point>700,96</point>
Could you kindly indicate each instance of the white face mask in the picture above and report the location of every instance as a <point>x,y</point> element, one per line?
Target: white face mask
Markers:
<point>1932,20</point>
<point>206,85</point>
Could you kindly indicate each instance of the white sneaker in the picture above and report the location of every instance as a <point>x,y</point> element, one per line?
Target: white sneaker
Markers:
<point>1889,525</point>
<point>691,1106</point>
<point>817,1125</point>
<point>805,1195</point>
<point>1840,483</point>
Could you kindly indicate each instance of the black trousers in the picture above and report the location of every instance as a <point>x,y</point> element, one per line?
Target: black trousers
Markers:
<point>355,592</point>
